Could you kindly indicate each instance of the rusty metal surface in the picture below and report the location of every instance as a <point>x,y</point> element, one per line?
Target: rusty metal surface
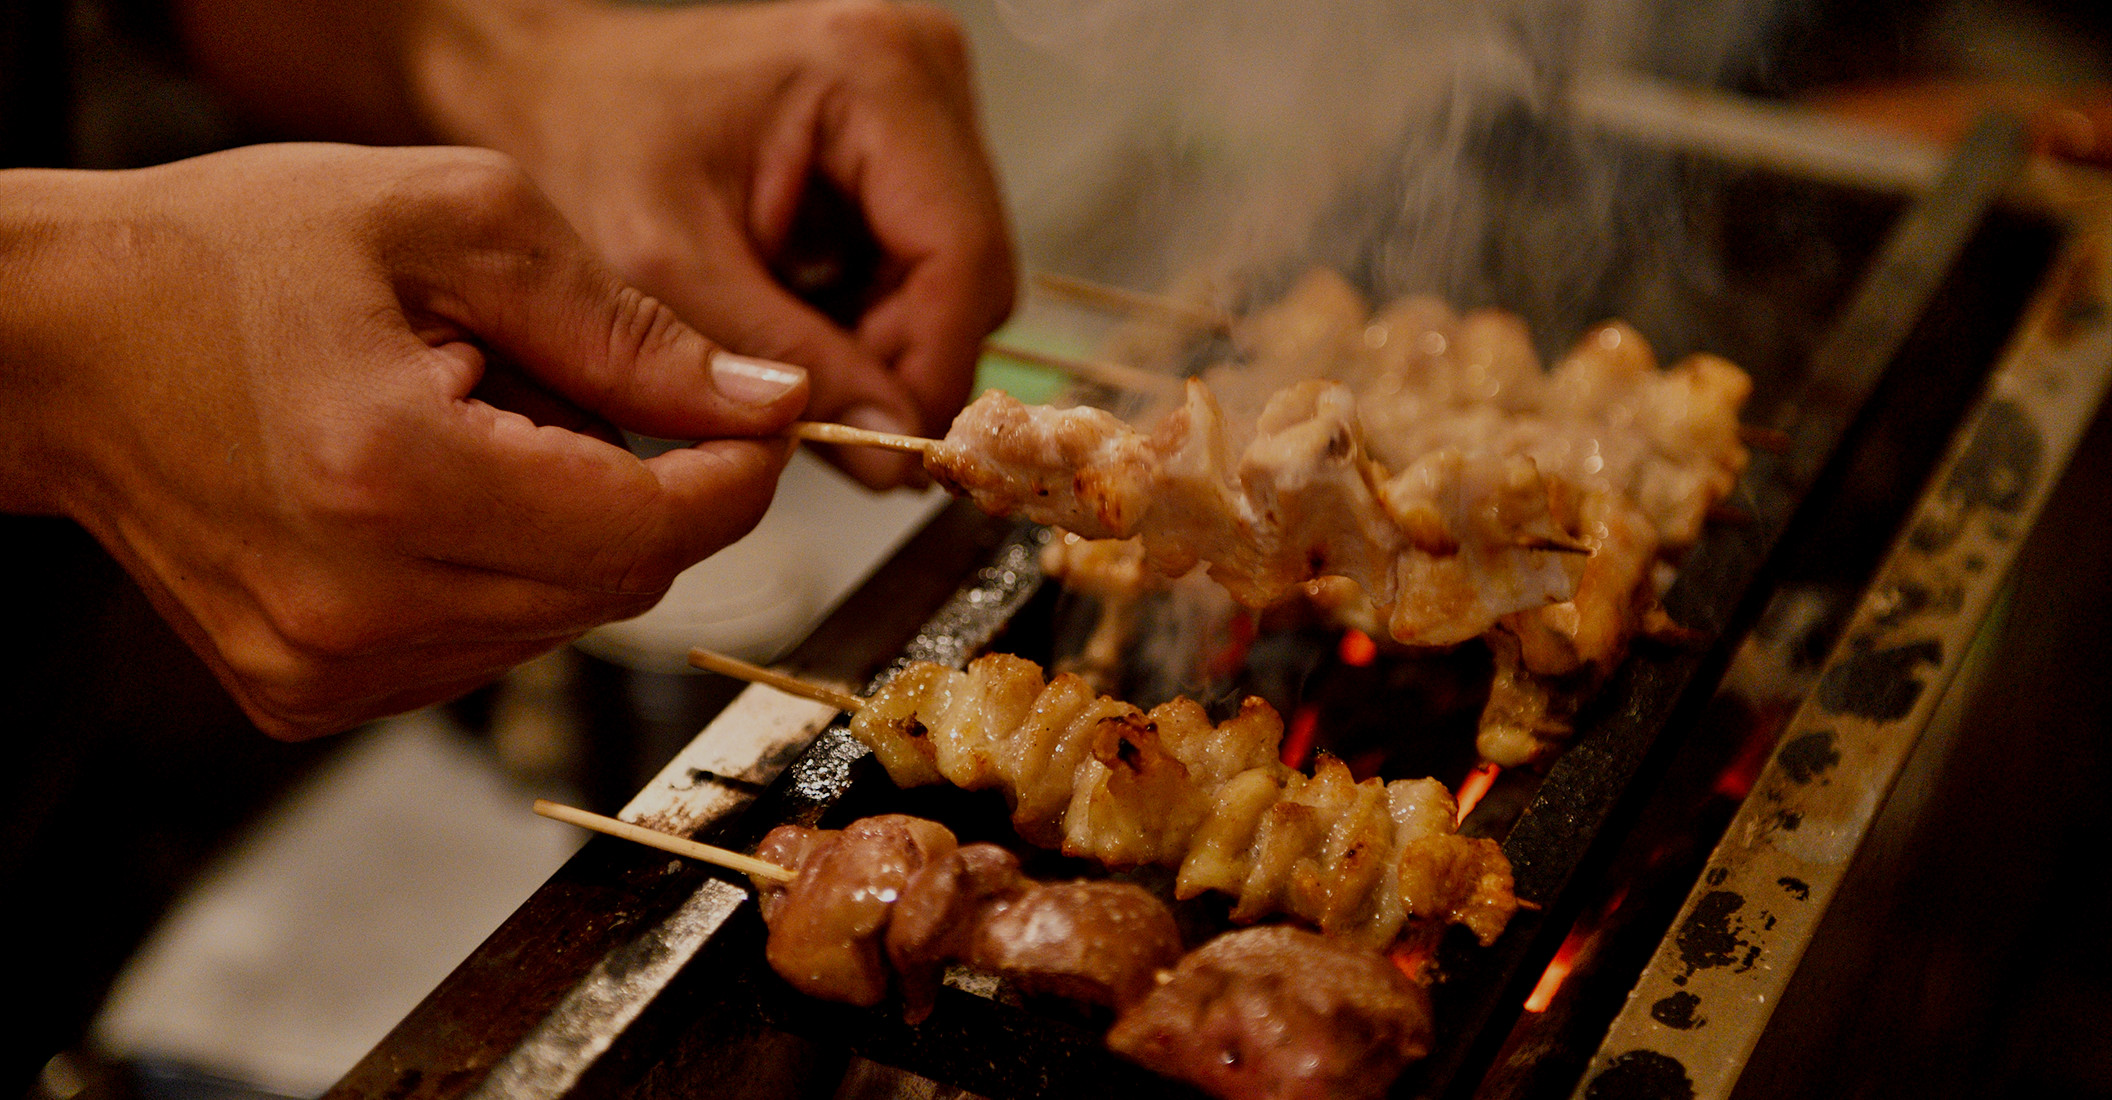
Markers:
<point>1560,832</point>
<point>1693,1018</point>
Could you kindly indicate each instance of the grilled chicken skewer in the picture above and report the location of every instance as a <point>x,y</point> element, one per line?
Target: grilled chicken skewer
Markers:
<point>1258,1014</point>
<point>1098,778</point>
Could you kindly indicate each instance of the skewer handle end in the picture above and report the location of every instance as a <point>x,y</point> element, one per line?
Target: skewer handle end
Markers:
<point>681,846</point>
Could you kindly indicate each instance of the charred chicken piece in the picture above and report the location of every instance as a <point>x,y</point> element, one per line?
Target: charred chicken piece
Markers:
<point>1302,499</point>
<point>1475,448</point>
<point>1278,1013</point>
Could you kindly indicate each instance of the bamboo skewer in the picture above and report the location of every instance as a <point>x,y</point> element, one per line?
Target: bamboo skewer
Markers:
<point>1106,372</point>
<point>1131,301</point>
<point>816,431</point>
<point>681,846</point>
<point>1552,546</point>
<point>1774,441</point>
<point>757,674</point>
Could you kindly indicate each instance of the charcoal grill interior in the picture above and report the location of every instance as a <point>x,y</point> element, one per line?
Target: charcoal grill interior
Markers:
<point>1792,257</point>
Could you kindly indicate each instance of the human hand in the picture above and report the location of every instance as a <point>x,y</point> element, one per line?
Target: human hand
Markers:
<point>688,144</point>
<point>342,413</point>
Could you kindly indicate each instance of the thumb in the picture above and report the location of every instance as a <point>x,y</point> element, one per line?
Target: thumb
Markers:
<point>733,295</point>
<point>529,290</point>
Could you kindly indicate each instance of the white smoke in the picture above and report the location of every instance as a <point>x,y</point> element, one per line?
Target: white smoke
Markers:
<point>1401,141</point>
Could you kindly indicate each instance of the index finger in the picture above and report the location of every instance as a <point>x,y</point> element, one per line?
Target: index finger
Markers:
<point>909,150</point>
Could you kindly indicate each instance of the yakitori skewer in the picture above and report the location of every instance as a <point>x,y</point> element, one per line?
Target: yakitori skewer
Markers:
<point>681,846</point>
<point>883,906</point>
<point>822,432</point>
<point>1102,779</point>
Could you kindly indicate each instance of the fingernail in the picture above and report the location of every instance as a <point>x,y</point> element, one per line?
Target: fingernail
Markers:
<point>753,381</point>
<point>873,418</point>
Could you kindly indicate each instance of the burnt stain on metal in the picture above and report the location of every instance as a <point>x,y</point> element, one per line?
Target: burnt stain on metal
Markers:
<point>639,954</point>
<point>1808,758</point>
<point>1716,875</point>
<point>1997,470</point>
<point>1641,1075</point>
<point>1677,1011</point>
<point>1787,821</point>
<point>2002,461</point>
<point>701,776</point>
<point>1879,685</point>
<point>1709,937</point>
<point>1906,599</point>
<point>1795,887</point>
<point>2074,304</point>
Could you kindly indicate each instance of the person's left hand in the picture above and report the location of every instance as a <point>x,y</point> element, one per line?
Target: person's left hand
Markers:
<point>689,146</point>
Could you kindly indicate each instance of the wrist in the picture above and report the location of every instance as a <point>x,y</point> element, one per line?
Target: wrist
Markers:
<point>471,67</point>
<point>50,221</point>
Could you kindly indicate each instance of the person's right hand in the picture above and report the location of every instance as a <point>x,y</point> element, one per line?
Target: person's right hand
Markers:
<point>344,414</point>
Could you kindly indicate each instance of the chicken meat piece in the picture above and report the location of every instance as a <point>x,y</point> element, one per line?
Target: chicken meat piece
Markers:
<point>1302,500</point>
<point>1100,942</point>
<point>1277,1013</point>
<point>827,925</point>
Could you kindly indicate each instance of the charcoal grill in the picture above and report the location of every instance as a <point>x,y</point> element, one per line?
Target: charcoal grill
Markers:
<point>629,973</point>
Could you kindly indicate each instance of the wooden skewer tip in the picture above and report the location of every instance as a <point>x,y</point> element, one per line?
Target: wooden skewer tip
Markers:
<point>1772,440</point>
<point>681,846</point>
<point>815,431</point>
<point>1085,290</point>
<point>724,665</point>
<point>1556,546</point>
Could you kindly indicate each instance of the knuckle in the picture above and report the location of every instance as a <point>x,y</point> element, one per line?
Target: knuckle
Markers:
<point>483,191</point>
<point>941,32</point>
<point>866,31</point>
<point>642,253</point>
<point>642,326</point>
<point>320,623</point>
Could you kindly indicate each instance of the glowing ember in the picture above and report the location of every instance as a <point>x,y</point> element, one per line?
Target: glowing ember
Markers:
<point>1476,784</point>
<point>1243,629</point>
<point>1414,955</point>
<point>1737,778</point>
<point>1298,739</point>
<point>1558,968</point>
<point>1357,649</point>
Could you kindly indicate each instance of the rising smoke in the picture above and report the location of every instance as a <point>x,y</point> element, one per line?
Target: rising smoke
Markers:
<point>1416,145</point>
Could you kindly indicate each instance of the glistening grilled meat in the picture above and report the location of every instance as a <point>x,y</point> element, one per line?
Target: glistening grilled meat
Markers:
<point>889,900</point>
<point>1280,1014</point>
<point>1258,1014</point>
<point>1443,548</point>
<point>1631,457</point>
